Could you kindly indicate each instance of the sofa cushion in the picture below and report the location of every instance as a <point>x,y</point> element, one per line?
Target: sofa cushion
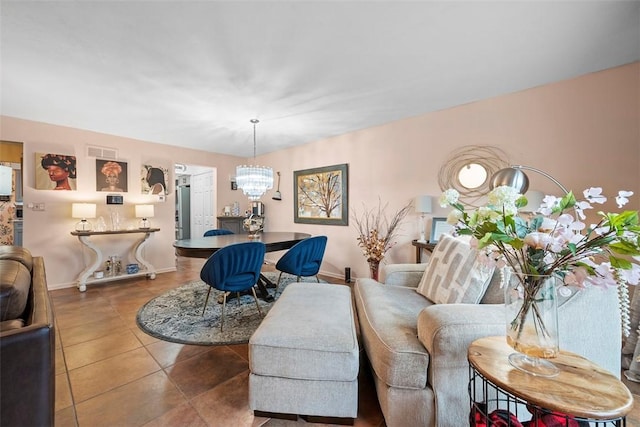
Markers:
<point>17,253</point>
<point>15,281</point>
<point>454,275</point>
<point>388,320</point>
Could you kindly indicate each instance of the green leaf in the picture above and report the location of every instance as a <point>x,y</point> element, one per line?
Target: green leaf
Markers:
<point>620,263</point>
<point>536,222</point>
<point>567,202</point>
<point>623,247</point>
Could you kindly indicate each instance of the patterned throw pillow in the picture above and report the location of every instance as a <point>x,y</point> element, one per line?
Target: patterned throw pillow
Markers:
<point>454,275</point>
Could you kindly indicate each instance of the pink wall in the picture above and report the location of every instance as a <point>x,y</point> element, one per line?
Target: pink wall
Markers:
<point>584,131</point>
<point>47,233</point>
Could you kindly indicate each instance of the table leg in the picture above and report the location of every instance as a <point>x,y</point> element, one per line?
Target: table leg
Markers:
<point>151,270</point>
<point>88,272</point>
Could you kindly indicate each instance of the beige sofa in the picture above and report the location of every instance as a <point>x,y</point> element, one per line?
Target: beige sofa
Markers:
<point>418,350</point>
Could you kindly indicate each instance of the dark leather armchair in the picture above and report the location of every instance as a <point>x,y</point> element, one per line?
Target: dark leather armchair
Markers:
<point>27,343</point>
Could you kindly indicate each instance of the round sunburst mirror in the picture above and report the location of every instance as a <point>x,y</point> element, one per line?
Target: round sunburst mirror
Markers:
<point>468,170</point>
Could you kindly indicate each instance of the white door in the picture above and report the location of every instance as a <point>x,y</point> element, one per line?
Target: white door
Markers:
<point>203,203</point>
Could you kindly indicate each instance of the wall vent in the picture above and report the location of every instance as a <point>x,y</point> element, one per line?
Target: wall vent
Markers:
<point>102,152</point>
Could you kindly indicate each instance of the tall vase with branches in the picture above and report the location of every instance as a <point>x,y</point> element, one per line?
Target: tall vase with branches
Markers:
<point>376,232</point>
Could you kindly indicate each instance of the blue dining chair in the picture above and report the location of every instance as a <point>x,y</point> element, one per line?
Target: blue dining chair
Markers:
<point>303,259</point>
<point>217,232</point>
<point>234,268</point>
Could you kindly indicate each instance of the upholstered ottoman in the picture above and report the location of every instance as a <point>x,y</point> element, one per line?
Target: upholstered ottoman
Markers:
<point>304,355</point>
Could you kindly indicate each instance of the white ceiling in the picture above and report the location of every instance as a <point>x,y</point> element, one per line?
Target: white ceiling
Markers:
<point>193,73</point>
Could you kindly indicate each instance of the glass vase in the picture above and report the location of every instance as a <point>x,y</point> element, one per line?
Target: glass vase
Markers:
<point>532,321</point>
<point>374,267</point>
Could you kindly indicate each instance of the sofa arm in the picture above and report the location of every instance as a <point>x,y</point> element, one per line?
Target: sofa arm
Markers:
<point>408,275</point>
<point>27,389</point>
<point>446,331</point>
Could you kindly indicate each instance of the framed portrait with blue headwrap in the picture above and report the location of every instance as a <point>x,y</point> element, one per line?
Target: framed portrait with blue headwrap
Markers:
<point>55,171</point>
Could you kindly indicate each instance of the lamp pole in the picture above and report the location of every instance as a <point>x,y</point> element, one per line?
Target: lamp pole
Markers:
<point>514,177</point>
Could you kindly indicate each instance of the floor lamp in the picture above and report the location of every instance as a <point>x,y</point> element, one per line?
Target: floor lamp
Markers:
<point>515,178</point>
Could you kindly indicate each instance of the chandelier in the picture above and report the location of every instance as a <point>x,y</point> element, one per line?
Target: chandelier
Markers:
<point>254,181</point>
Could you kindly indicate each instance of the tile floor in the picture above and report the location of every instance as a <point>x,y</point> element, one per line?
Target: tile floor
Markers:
<point>110,373</point>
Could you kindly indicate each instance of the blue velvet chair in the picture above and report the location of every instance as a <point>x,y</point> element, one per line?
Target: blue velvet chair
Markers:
<point>217,232</point>
<point>303,259</point>
<point>234,268</point>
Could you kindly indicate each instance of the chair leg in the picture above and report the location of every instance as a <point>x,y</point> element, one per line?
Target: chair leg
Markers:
<point>278,284</point>
<point>298,279</point>
<point>255,297</point>
<point>206,301</point>
<point>224,305</point>
<point>317,279</point>
<point>238,296</point>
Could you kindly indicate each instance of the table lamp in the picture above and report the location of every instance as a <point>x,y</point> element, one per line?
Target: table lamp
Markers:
<point>144,212</point>
<point>83,211</point>
<point>423,206</point>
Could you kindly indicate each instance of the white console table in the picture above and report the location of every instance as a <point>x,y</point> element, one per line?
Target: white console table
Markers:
<point>86,277</point>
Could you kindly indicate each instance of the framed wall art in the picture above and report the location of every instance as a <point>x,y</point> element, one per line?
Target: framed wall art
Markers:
<point>154,179</point>
<point>321,195</point>
<point>439,226</point>
<point>55,171</point>
<point>111,176</point>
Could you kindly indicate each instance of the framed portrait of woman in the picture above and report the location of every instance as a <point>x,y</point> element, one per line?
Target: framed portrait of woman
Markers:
<point>55,171</point>
<point>154,179</point>
<point>111,176</point>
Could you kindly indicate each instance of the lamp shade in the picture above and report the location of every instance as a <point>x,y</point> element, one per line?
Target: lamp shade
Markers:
<point>83,210</point>
<point>534,200</point>
<point>423,204</point>
<point>511,177</point>
<point>144,211</point>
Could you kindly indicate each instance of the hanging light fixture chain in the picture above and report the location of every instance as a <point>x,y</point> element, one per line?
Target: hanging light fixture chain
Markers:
<point>254,180</point>
<point>254,121</point>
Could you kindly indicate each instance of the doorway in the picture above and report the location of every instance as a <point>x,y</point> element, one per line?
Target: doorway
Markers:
<point>195,200</point>
<point>11,154</point>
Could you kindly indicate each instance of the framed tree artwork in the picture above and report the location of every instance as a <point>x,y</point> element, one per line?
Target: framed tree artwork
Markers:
<point>321,195</point>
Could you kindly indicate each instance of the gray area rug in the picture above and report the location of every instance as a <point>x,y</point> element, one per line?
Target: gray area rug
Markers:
<point>176,315</point>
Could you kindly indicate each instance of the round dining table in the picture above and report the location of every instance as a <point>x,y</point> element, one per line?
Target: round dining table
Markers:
<point>204,247</point>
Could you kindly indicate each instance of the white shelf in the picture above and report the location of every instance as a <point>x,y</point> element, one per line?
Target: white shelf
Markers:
<point>118,277</point>
<point>86,277</point>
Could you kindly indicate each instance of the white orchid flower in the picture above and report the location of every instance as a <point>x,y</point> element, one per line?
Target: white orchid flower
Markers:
<point>547,224</point>
<point>547,205</point>
<point>622,198</point>
<point>594,195</point>
<point>576,277</point>
<point>581,206</point>
<point>538,240</point>
<point>631,276</point>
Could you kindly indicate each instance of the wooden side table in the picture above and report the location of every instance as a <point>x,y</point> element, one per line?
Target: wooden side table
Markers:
<point>419,247</point>
<point>582,391</point>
